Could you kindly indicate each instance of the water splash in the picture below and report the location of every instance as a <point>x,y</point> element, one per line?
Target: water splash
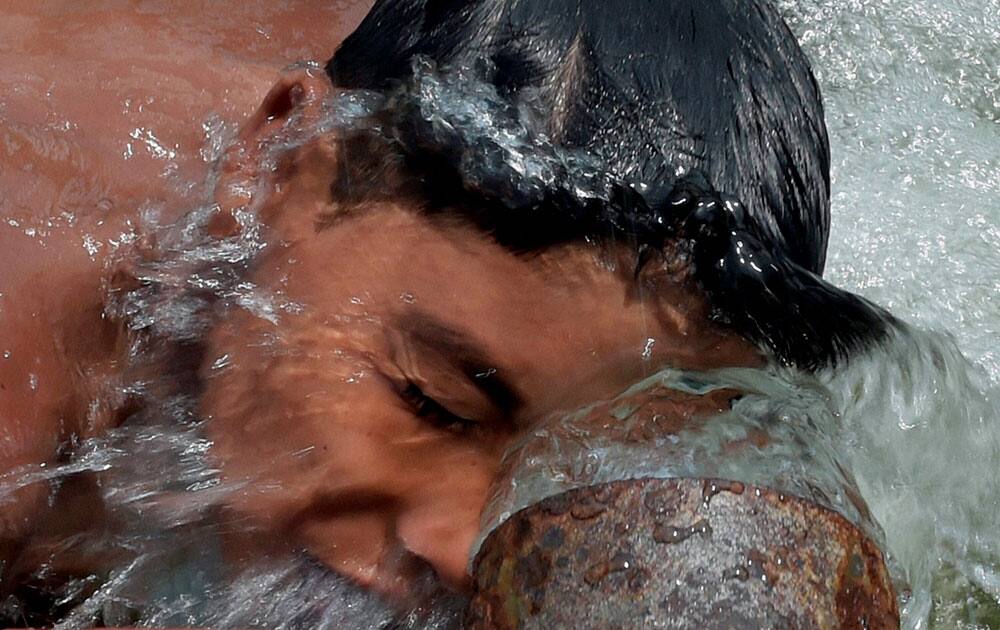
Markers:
<point>912,95</point>
<point>914,423</point>
<point>912,429</point>
<point>922,434</point>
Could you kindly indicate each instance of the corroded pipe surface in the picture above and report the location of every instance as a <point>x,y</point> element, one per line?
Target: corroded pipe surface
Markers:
<point>679,553</point>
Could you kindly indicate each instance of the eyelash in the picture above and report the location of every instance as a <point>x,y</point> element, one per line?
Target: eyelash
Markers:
<point>434,412</point>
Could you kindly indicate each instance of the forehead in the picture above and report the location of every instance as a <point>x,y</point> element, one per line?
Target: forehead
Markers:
<point>350,199</point>
<point>392,257</point>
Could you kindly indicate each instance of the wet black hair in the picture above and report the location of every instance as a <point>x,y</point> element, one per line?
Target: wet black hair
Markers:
<point>567,119</point>
<point>650,86</point>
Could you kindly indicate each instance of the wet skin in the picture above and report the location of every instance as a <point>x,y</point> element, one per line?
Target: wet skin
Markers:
<point>371,422</point>
<point>378,413</point>
<point>97,101</point>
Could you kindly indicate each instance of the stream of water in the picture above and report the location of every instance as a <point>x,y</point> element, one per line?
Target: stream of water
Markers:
<point>912,94</point>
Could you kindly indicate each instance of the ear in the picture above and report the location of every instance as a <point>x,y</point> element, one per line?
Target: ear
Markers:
<point>300,94</point>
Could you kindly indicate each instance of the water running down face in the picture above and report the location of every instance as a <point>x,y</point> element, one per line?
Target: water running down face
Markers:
<point>370,423</point>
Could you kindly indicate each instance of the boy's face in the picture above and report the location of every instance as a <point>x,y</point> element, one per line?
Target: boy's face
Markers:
<point>369,422</point>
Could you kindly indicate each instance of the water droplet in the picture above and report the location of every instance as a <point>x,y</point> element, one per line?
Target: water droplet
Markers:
<point>598,571</point>
<point>221,363</point>
<point>91,244</point>
<point>736,573</point>
<point>672,535</point>
<point>760,568</point>
<point>712,487</point>
<point>647,350</point>
<point>355,377</point>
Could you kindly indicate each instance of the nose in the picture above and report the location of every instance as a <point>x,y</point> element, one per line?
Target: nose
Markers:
<point>667,507</point>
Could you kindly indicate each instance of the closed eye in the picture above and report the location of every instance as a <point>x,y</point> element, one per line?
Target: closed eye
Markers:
<point>434,412</point>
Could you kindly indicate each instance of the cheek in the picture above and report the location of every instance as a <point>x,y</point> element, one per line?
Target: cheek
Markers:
<point>295,423</point>
<point>314,442</point>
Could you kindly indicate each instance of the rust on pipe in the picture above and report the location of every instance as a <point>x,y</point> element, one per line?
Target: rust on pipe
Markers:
<point>679,553</point>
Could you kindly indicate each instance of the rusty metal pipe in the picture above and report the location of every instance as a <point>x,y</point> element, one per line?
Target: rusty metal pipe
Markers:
<point>614,517</point>
<point>679,553</point>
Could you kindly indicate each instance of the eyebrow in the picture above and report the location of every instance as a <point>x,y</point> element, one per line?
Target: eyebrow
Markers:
<point>471,358</point>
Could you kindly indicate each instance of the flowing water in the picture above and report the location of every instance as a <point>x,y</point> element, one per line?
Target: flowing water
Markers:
<point>912,93</point>
<point>912,96</point>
